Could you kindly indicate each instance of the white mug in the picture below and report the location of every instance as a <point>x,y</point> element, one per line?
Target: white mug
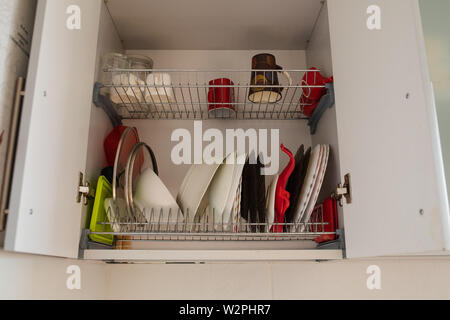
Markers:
<point>127,89</point>
<point>159,90</point>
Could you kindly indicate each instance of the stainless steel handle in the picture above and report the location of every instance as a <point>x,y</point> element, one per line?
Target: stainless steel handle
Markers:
<point>10,151</point>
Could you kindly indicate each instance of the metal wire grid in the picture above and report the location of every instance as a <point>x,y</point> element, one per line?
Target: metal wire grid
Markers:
<point>193,94</point>
<point>153,225</point>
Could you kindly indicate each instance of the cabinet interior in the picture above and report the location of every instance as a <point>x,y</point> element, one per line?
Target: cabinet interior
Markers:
<point>176,39</point>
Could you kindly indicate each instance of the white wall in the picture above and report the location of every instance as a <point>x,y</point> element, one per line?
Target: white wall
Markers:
<point>401,278</point>
<point>436,27</point>
<point>35,277</point>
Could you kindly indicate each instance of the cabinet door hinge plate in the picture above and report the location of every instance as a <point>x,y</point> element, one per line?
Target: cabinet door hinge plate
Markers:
<point>84,191</point>
<point>344,191</point>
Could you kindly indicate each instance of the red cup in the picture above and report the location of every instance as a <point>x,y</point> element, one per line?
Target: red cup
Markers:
<point>221,98</point>
<point>314,78</point>
<point>308,106</point>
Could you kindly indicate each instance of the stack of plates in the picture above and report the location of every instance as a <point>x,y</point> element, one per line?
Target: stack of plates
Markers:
<point>312,185</point>
<point>211,193</point>
<point>301,210</point>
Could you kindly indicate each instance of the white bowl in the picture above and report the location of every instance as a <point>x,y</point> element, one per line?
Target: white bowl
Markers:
<point>154,199</point>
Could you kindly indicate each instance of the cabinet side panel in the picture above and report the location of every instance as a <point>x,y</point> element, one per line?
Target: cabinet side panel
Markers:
<point>439,149</point>
<point>318,54</point>
<point>386,129</point>
<point>44,217</point>
<point>100,125</point>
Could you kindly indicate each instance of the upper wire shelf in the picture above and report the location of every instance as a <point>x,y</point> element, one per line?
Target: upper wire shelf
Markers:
<point>208,94</point>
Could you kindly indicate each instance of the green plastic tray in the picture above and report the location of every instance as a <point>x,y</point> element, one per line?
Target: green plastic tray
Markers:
<point>104,191</point>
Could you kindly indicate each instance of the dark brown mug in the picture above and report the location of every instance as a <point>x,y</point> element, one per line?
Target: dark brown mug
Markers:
<point>266,93</point>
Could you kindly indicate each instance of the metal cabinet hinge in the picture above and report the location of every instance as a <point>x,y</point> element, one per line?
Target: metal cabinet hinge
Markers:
<point>344,191</point>
<point>84,191</point>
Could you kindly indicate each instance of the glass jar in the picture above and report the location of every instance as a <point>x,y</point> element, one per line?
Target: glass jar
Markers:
<point>112,61</point>
<point>141,62</point>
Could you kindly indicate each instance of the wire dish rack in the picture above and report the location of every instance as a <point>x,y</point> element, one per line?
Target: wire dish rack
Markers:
<point>152,225</point>
<point>209,94</point>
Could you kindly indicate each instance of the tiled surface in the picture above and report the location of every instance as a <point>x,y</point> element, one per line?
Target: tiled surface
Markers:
<point>209,281</point>
<point>401,278</point>
<point>36,277</point>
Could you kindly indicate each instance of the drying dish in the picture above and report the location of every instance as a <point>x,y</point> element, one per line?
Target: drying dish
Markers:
<point>270,202</point>
<point>308,185</point>
<point>253,199</point>
<point>295,182</point>
<point>317,186</point>
<point>194,187</point>
<point>220,188</point>
<point>231,205</point>
<point>236,210</point>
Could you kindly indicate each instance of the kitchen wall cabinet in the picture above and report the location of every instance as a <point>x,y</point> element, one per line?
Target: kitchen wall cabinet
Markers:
<point>382,132</point>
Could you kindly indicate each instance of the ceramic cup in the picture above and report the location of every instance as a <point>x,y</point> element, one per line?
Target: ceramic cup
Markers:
<point>221,98</point>
<point>128,89</point>
<point>266,93</point>
<point>159,90</point>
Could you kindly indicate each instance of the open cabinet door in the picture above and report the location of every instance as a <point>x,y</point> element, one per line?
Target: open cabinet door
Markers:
<point>44,216</point>
<point>387,129</point>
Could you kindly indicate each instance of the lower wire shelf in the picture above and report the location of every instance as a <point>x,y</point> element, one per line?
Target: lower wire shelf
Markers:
<point>144,226</point>
<point>158,240</point>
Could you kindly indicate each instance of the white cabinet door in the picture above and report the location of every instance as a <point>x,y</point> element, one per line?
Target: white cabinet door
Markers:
<point>387,130</point>
<point>44,217</point>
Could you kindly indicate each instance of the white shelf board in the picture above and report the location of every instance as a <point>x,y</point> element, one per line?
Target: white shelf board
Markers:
<point>212,255</point>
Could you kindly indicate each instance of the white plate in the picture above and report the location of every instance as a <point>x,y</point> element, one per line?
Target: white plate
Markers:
<point>310,178</point>
<point>230,205</point>
<point>236,211</point>
<point>220,188</point>
<point>270,201</point>
<point>194,187</point>
<point>317,186</point>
